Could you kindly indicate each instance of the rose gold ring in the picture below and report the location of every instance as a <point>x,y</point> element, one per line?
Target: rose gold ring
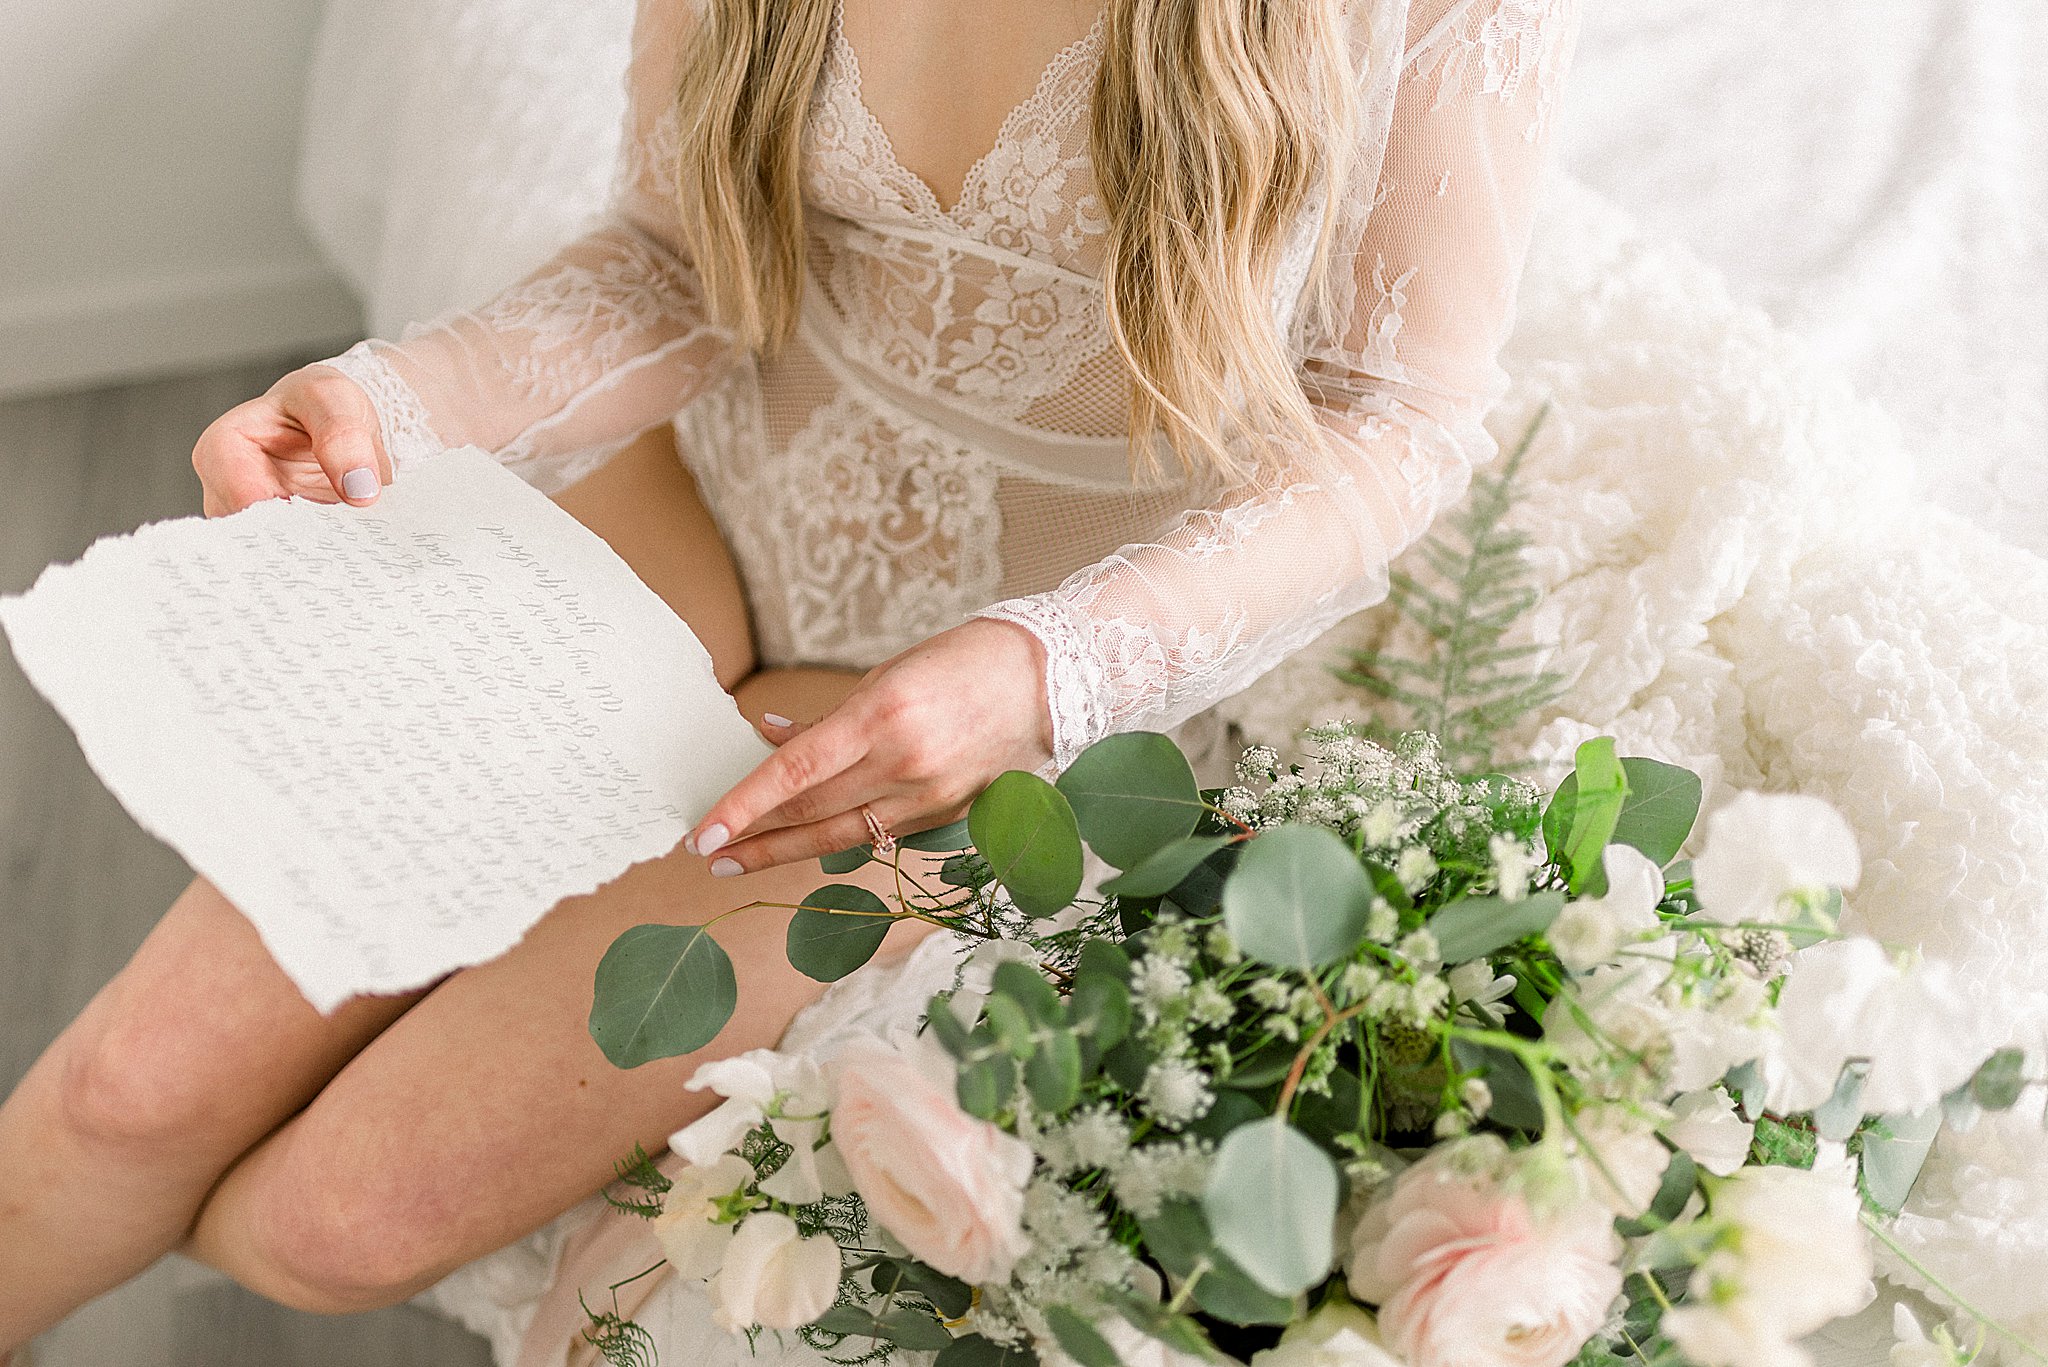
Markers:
<point>885,843</point>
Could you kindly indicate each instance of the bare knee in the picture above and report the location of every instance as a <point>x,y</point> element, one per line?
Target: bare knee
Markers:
<point>329,1238</point>
<point>122,1087</point>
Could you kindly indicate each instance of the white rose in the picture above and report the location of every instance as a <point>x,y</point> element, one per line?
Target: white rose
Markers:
<point>1706,1126</point>
<point>1591,930</point>
<point>1761,846</point>
<point>948,1185</point>
<point>1337,1335</point>
<point>693,1245</point>
<point>774,1276</point>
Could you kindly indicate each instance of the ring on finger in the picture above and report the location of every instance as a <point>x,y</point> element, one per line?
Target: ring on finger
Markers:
<point>884,839</point>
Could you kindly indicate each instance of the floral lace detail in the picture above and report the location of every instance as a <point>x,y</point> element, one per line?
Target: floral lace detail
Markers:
<point>1074,674</point>
<point>1494,48</point>
<point>880,533</point>
<point>585,319</point>
<point>402,420</point>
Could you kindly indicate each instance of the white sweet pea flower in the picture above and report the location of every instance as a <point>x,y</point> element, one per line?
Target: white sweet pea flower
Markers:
<point>1922,1032</point>
<point>751,1083</point>
<point>1761,846</point>
<point>774,1277</point>
<point>1338,1335</point>
<point>1591,930</point>
<point>1619,1158</point>
<point>694,1246</point>
<point>1705,1124</point>
<point>1793,1257</point>
<point>1915,1349</point>
<point>1474,984</point>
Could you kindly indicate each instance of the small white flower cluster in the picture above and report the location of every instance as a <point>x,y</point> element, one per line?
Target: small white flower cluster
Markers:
<point>1403,806</point>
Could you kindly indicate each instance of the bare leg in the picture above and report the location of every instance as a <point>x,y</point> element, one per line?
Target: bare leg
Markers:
<point>197,1050</point>
<point>488,1110</point>
<point>201,1047</point>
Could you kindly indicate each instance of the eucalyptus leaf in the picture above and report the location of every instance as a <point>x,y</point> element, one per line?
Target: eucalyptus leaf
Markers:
<point>1892,1160</point>
<point>1473,927</point>
<point>976,1351</point>
<point>836,930</point>
<point>949,1295</point>
<point>1271,1203</point>
<point>1515,1104</point>
<point>1028,987</point>
<point>1053,1073</point>
<point>1998,1084</point>
<point>913,1328</point>
<point>1297,898</point>
<point>661,991</point>
<point>1132,793</point>
<point>1179,1238</point>
<point>1079,1339</point>
<point>1163,870</point>
<point>944,839</point>
<point>1837,1118</point>
<point>846,861</point>
<point>1658,814</point>
<point>1025,829</point>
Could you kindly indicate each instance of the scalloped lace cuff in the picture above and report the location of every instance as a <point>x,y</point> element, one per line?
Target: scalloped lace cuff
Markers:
<point>1073,675</point>
<point>401,418</point>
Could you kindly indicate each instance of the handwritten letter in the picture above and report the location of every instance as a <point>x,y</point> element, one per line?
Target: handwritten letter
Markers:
<point>395,736</point>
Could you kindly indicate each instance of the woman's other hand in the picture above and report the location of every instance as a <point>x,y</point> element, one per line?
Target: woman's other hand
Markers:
<point>918,738</point>
<point>313,435</point>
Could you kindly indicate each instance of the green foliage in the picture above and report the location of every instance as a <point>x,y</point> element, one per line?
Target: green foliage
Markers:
<point>1025,828</point>
<point>1600,790</point>
<point>1132,794</point>
<point>1893,1154</point>
<point>1164,869</point>
<point>976,1351</point>
<point>1998,1084</point>
<point>1656,816</point>
<point>1473,927</point>
<point>1271,1202</point>
<point>661,991</point>
<point>837,929</point>
<point>1298,898</point>
<point>1779,1144</point>
<point>1467,687</point>
<point>619,1341</point>
<point>645,1185</point>
<point>1178,1236</point>
<point>1079,1339</point>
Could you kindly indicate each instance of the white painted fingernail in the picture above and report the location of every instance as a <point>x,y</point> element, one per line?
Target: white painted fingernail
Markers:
<point>726,868</point>
<point>710,838</point>
<point>776,719</point>
<point>360,483</point>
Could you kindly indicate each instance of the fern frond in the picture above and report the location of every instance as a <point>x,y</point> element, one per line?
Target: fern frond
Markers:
<point>645,1185</point>
<point>1469,686</point>
<point>619,1341</point>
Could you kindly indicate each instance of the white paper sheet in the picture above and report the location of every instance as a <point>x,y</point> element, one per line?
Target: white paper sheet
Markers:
<point>394,736</point>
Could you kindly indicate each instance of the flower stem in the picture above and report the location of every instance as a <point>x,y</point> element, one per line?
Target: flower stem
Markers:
<point>1926,1274</point>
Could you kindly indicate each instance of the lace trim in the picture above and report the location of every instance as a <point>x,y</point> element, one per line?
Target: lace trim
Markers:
<point>1074,681</point>
<point>401,418</point>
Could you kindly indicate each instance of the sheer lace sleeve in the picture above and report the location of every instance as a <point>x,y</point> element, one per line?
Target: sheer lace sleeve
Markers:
<point>562,369</point>
<point>1401,372</point>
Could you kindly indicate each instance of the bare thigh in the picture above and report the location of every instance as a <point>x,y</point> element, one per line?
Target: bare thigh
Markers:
<point>485,1109</point>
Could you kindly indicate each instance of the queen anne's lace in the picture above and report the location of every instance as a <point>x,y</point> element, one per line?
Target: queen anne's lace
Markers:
<point>947,435</point>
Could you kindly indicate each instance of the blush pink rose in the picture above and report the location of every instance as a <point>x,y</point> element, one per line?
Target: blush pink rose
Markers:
<point>949,1186</point>
<point>1466,1274</point>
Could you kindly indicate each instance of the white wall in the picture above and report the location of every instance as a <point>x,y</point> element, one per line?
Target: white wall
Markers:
<point>147,150</point>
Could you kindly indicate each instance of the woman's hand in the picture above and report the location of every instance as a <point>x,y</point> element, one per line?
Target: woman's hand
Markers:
<point>915,741</point>
<point>314,435</point>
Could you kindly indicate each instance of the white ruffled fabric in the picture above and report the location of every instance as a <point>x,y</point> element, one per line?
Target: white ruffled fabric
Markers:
<point>1745,584</point>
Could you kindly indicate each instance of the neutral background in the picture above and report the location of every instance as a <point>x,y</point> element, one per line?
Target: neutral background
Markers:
<point>147,152</point>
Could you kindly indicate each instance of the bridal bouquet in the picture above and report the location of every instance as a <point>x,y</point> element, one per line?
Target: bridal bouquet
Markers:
<point>1358,1062</point>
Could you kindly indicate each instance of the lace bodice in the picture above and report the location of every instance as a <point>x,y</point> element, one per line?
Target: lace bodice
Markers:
<point>947,435</point>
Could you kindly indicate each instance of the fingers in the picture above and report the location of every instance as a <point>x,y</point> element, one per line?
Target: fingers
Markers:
<point>341,423</point>
<point>777,729</point>
<point>790,844</point>
<point>233,472</point>
<point>819,753</point>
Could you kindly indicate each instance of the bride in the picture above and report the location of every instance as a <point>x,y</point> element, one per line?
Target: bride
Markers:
<point>1036,372</point>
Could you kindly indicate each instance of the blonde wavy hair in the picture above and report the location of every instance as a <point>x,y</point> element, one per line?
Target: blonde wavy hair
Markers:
<point>1214,123</point>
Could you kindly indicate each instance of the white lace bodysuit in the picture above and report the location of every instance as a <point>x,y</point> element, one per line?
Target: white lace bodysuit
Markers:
<point>946,437</point>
